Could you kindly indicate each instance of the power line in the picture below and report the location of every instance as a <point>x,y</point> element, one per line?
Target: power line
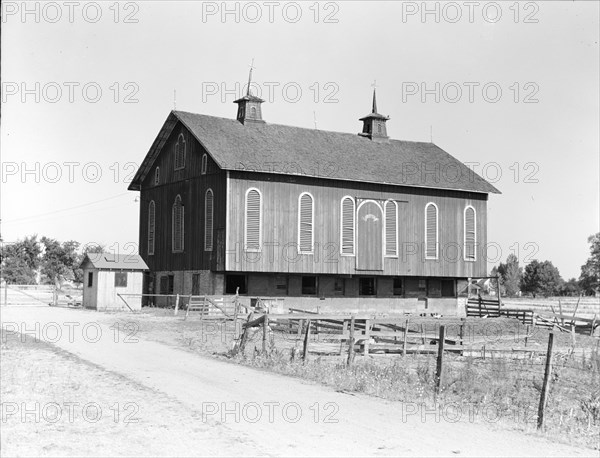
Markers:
<point>65,209</point>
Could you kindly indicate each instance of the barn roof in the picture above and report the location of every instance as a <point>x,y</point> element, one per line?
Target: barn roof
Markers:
<point>108,261</point>
<point>288,150</point>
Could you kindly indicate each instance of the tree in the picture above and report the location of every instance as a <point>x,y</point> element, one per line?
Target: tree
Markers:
<point>541,278</point>
<point>495,273</point>
<point>87,250</point>
<point>589,280</point>
<point>570,288</point>
<point>21,261</point>
<point>510,275</point>
<point>59,261</point>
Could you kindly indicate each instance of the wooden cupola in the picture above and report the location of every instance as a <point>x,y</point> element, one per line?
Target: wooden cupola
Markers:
<point>374,126</point>
<point>249,111</point>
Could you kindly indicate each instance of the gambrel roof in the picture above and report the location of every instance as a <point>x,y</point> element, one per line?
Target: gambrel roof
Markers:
<point>287,150</point>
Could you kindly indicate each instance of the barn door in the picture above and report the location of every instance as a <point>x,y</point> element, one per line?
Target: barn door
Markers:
<point>369,237</point>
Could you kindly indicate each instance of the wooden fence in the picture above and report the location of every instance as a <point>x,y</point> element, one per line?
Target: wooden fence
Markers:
<point>491,308</point>
<point>337,334</point>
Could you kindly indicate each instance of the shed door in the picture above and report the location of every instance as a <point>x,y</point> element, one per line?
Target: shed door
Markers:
<point>369,237</point>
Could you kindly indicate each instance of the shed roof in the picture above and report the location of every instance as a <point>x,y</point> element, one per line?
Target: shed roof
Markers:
<point>288,150</point>
<point>108,261</point>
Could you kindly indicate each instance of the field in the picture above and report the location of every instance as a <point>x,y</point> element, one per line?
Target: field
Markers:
<point>588,306</point>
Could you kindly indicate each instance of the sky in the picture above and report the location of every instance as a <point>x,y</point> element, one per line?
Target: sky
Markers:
<point>509,88</point>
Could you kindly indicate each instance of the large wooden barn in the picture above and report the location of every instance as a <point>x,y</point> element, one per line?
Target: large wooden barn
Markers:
<point>291,212</point>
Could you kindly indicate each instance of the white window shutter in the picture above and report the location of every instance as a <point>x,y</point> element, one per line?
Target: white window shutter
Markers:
<point>208,220</point>
<point>431,231</point>
<point>305,226</point>
<point>253,222</point>
<point>391,229</point>
<point>470,234</point>
<point>347,226</point>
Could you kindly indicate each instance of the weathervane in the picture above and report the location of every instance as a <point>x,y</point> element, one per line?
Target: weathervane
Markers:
<point>374,86</point>
<point>250,77</point>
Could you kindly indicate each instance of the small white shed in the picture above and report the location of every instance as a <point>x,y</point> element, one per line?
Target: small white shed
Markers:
<point>113,281</point>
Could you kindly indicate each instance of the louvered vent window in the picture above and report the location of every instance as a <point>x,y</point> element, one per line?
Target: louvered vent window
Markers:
<point>177,223</point>
<point>305,223</point>
<point>347,226</point>
<point>180,153</point>
<point>208,220</point>
<point>431,231</point>
<point>253,217</point>
<point>204,164</point>
<point>391,228</point>
<point>470,234</point>
<point>151,226</point>
<point>157,176</point>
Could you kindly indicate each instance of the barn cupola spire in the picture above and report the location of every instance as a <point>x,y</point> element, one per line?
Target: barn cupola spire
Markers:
<point>249,110</point>
<point>374,126</point>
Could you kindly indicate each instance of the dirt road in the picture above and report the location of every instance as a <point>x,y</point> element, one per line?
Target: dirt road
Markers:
<point>272,414</point>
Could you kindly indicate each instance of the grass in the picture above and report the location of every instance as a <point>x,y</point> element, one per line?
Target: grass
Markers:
<point>495,391</point>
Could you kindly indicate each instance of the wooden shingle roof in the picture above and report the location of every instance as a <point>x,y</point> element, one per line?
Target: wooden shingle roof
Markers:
<point>288,150</point>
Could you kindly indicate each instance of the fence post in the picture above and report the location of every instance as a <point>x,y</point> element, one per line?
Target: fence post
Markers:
<point>440,360</point>
<point>367,337</point>
<point>306,341</point>
<point>345,324</point>
<point>236,308</point>
<point>461,334</point>
<point>300,330</point>
<point>176,305</point>
<point>351,342</point>
<point>244,338</point>
<point>544,393</point>
<point>265,333</point>
<point>405,337</point>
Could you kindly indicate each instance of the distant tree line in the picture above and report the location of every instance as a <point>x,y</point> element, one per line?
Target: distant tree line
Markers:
<point>543,278</point>
<point>46,261</point>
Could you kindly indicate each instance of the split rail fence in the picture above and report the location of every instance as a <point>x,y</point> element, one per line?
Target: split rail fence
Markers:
<point>336,334</point>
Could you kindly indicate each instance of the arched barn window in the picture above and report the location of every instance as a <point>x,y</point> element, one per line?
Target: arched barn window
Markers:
<point>208,220</point>
<point>305,223</point>
<point>204,164</point>
<point>177,225</point>
<point>347,226</point>
<point>431,231</point>
<point>151,226</point>
<point>180,152</point>
<point>470,233</point>
<point>252,235</point>
<point>391,228</point>
<point>157,176</point>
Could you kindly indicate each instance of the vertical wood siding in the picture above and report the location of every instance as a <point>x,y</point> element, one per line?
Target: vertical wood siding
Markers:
<point>279,226</point>
<point>192,186</point>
